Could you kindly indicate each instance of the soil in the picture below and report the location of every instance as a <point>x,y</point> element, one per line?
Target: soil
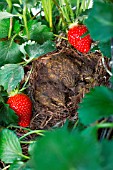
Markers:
<point>59,81</point>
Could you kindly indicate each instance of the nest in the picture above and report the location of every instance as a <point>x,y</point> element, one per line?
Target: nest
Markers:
<point>59,81</point>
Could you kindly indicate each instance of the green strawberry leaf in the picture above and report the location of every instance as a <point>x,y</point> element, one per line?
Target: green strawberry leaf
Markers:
<point>107,154</point>
<point>30,4</point>
<point>97,104</point>
<point>90,132</point>
<point>9,53</point>
<point>105,48</point>
<point>10,76</point>
<point>17,27</point>
<point>3,5</point>
<point>20,166</point>
<point>10,149</point>
<point>111,80</point>
<point>66,151</point>
<point>100,21</point>
<point>31,148</point>
<point>4,28</point>
<point>4,15</point>
<point>38,32</point>
<point>17,165</point>
<point>36,50</point>
<point>7,115</point>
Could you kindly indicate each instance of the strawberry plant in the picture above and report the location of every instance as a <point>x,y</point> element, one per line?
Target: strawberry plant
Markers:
<point>29,30</point>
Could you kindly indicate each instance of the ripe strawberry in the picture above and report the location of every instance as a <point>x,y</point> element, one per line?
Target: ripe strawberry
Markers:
<point>74,37</point>
<point>22,106</point>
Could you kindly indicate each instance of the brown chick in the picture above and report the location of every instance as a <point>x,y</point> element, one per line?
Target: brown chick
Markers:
<point>48,95</point>
<point>61,68</point>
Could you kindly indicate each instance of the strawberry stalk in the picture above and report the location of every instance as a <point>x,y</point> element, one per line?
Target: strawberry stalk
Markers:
<point>104,125</point>
<point>38,132</point>
<point>10,28</point>
<point>81,6</point>
<point>47,7</point>
<point>9,2</point>
<point>25,21</point>
<point>66,10</point>
<point>88,3</point>
<point>20,1</point>
<point>62,17</point>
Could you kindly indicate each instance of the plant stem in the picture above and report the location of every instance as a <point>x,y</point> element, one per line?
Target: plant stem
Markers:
<point>24,86</point>
<point>77,8</point>
<point>27,142</point>
<point>10,28</point>
<point>82,7</point>
<point>20,1</point>
<point>47,7</point>
<point>57,5</point>
<point>59,36</point>
<point>50,14</point>
<point>7,167</point>
<point>24,156</point>
<point>38,132</point>
<point>103,62</point>
<point>104,125</point>
<point>64,9</point>
<point>9,4</point>
<point>25,21</point>
<point>69,7</point>
<point>87,4</point>
<point>19,127</point>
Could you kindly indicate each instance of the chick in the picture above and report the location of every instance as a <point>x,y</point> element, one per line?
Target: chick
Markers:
<point>62,69</point>
<point>48,95</point>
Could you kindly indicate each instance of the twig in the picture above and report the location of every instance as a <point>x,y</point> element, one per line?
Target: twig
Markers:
<point>103,62</point>
<point>7,167</point>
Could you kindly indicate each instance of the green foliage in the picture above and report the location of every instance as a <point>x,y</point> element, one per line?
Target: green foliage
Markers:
<point>4,15</point>
<point>10,149</point>
<point>105,48</point>
<point>100,21</point>
<point>37,50</point>
<point>16,27</point>
<point>38,32</point>
<point>98,103</point>
<point>4,28</point>
<point>24,37</point>
<point>100,25</point>
<point>65,151</point>
<point>3,4</point>
<point>7,115</point>
<point>17,165</point>
<point>20,166</point>
<point>9,53</point>
<point>107,149</point>
<point>9,77</point>
<point>30,4</point>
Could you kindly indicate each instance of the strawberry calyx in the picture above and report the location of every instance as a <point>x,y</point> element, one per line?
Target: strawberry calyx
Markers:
<point>14,92</point>
<point>73,24</point>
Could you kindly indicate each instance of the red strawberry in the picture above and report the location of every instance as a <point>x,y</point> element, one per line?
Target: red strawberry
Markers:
<point>22,106</point>
<point>74,37</point>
